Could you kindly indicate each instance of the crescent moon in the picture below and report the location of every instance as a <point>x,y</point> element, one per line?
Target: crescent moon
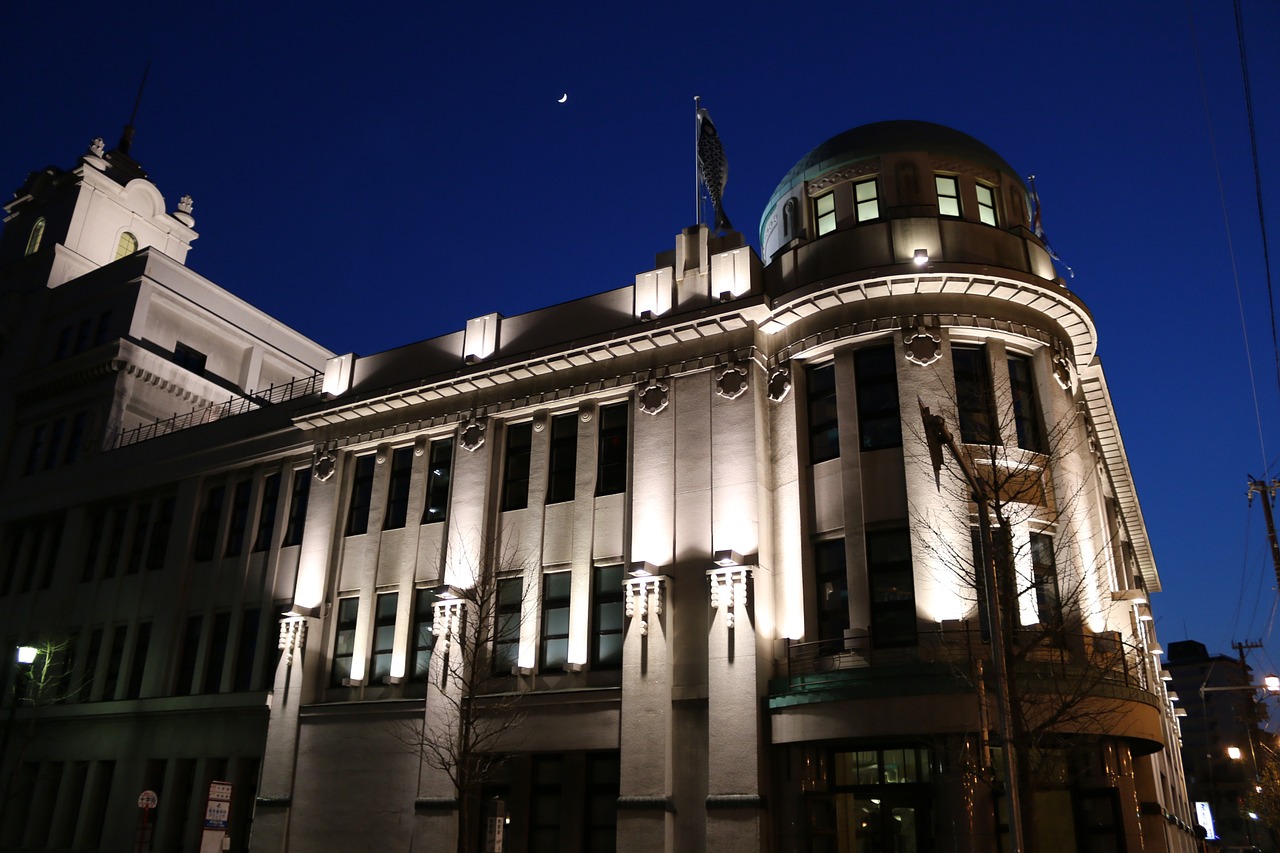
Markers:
<point>563,98</point>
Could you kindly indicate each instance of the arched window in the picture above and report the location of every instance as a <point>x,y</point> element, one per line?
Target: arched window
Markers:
<point>128,245</point>
<point>37,234</point>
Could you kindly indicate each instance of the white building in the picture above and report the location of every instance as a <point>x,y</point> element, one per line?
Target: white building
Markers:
<point>736,610</point>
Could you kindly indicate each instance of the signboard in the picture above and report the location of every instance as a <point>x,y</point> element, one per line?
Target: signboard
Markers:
<point>218,809</point>
<point>148,800</point>
<point>1204,817</point>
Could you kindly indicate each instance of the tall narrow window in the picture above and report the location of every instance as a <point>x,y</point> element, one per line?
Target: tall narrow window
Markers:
<point>600,823</point>
<point>515,466</point>
<point>506,628</point>
<point>879,423</point>
<point>92,654</point>
<point>424,638</point>
<point>824,212</point>
<point>127,246</point>
<point>562,466</point>
<point>893,595</point>
<point>556,589</point>
<point>239,519</point>
<point>611,470</point>
<point>115,658</point>
<point>439,469</point>
<point>1002,558</point>
<point>36,235</point>
<point>1044,572</point>
<point>298,507</point>
<point>824,433</point>
<point>138,542</point>
<point>75,441</point>
<point>986,204</point>
<point>138,663</point>
<point>546,805</point>
<point>398,488</point>
<point>1026,408</point>
<point>217,654</point>
<point>866,200</point>
<point>832,583</point>
<point>344,644</point>
<point>207,523</point>
<point>948,195</point>
<point>93,547</point>
<point>267,513</point>
<point>607,618</point>
<point>159,544</point>
<point>246,649</point>
<point>384,633</point>
<point>975,402</point>
<point>187,656</point>
<point>55,443</point>
<point>115,542</point>
<point>35,449</point>
<point>361,496</point>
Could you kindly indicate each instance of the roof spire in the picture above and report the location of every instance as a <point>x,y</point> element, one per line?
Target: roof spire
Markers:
<point>126,138</point>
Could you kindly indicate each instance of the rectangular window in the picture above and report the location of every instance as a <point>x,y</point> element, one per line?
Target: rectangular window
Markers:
<point>398,488</point>
<point>217,654</point>
<point>832,583</point>
<point>893,594</point>
<point>298,507</point>
<point>361,496</point>
<point>556,589</point>
<point>1026,407</point>
<point>611,469</point>
<point>207,523</point>
<point>93,547</point>
<point>975,400</point>
<point>824,432</point>
<point>546,796</point>
<point>607,618</point>
<point>948,195</point>
<point>1044,573</point>
<point>187,656</point>
<point>246,649</point>
<point>49,557</point>
<point>82,334</point>
<point>115,658</point>
<point>115,542</point>
<point>138,663</point>
<point>439,469</point>
<point>190,358</point>
<point>424,638</point>
<point>506,628</point>
<point>159,544</point>
<point>384,634</point>
<point>824,211</point>
<point>562,464</point>
<point>604,777</point>
<point>879,423</point>
<point>344,644</point>
<point>866,200</point>
<point>515,466</point>
<point>239,519</point>
<point>267,512</point>
<point>138,542</point>
<point>34,449</point>
<point>55,443</point>
<point>986,204</point>
<point>104,328</point>
<point>75,441</point>
<point>91,663</point>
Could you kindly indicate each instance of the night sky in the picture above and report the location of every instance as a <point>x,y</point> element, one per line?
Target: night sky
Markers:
<point>373,175</point>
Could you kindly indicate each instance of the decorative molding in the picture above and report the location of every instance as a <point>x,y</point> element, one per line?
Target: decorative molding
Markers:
<point>729,590</point>
<point>97,146</point>
<point>652,397</point>
<point>1063,371</point>
<point>735,801</point>
<point>922,346</point>
<point>657,804</point>
<point>420,445</point>
<point>780,382</point>
<point>383,451</point>
<point>435,804</point>
<point>639,593</point>
<point>472,436</point>
<point>858,170</point>
<point>324,466</point>
<point>293,636</point>
<point>731,380</point>
<point>964,167</point>
<point>276,802</point>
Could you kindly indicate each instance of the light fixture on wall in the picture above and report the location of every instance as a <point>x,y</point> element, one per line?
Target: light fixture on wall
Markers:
<point>727,558</point>
<point>642,569</point>
<point>921,257</point>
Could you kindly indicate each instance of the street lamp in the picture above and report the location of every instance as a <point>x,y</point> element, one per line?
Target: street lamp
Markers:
<point>1234,753</point>
<point>26,656</point>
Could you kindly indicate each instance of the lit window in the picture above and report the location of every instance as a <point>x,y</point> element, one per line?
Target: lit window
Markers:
<point>439,467</point>
<point>866,200</point>
<point>506,625</point>
<point>424,638</point>
<point>562,464</point>
<point>948,195</point>
<point>361,496</point>
<point>824,209</point>
<point>607,609</point>
<point>611,473</point>
<point>832,583</point>
<point>986,204</point>
<point>879,424</point>
<point>344,646</point>
<point>398,489</point>
<point>1026,408</point>
<point>975,403</point>
<point>515,467</point>
<point>298,507</point>
<point>267,514</point>
<point>37,234</point>
<point>1044,572</point>
<point>384,634</point>
<point>824,433</point>
<point>127,246</point>
<point>893,594</point>
<point>556,589</point>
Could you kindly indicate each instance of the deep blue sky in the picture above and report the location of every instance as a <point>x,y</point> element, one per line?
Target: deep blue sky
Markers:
<point>375,174</point>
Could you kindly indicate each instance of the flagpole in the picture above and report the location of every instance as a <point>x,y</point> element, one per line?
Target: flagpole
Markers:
<point>697,201</point>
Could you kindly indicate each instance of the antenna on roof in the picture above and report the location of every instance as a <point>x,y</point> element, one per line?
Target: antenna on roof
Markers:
<point>126,138</point>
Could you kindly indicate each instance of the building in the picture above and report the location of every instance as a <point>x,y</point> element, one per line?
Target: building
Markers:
<point>734,601</point>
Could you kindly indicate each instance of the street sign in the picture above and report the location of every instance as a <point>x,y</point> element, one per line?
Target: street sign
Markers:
<point>217,810</point>
<point>148,800</point>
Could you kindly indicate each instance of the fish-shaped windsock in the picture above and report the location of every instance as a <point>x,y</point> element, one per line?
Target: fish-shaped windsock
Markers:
<point>713,169</point>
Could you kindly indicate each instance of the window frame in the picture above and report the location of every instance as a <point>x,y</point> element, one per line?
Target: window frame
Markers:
<point>948,199</point>
<point>238,518</point>
<point>885,611</point>
<point>507,618</point>
<point>267,509</point>
<point>346,619</point>
<point>824,220</point>
<point>399,480</point>
<point>423,638</point>
<point>987,212</point>
<point>439,477</point>
<point>562,458</point>
<point>360,503</point>
<point>830,567</point>
<point>517,456</point>
<point>975,395</point>
<point>823,432</point>
<point>613,459</point>
<point>382,649</point>
<point>299,497</point>
<point>36,236</point>
<point>557,604</point>
<point>126,245</point>
<point>1029,429</point>
<point>608,603</point>
<point>859,203</point>
<point>867,381</point>
<point>1044,576</point>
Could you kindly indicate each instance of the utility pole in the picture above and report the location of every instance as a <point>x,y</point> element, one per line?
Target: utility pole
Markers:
<point>1268,492</point>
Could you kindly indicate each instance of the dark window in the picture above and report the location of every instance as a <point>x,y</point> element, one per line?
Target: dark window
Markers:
<point>298,507</point>
<point>607,618</point>
<point>138,542</point>
<point>893,596</point>
<point>556,588</point>
<point>217,655</point>
<point>604,780</point>
<point>506,629</point>
<point>55,443</point>
<point>93,547</point>
<point>185,680</point>
<point>1003,560</point>
<point>424,638</point>
<point>188,357</point>
<point>611,473</point>
<point>267,513</point>
<point>115,658</point>
<point>562,466</point>
<point>64,343</point>
<point>34,449</point>
<point>948,195</point>
<point>159,543</point>
<point>246,649</point>
<point>75,441</point>
<point>49,556</point>
<point>384,633</point>
<point>975,402</point>
<point>546,806</point>
<point>115,543</point>
<point>82,335</point>
<point>207,523</point>
<point>361,496</point>
<point>824,431</point>
<point>879,423</point>
<point>832,581</point>
<point>344,645</point>
<point>1026,408</point>
<point>398,488</point>
<point>515,467</point>
<point>1044,572</point>
<point>239,519</point>
<point>439,468</point>
<point>138,664</point>
<point>104,327</point>
<point>92,654</point>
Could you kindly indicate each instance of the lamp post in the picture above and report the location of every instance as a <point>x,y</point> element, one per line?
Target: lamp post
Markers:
<point>1270,686</point>
<point>25,657</point>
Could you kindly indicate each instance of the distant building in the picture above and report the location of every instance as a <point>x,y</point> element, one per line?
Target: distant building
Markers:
<point>738,607</point>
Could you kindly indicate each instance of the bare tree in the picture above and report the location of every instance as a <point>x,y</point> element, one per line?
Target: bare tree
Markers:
<point>43,682</point>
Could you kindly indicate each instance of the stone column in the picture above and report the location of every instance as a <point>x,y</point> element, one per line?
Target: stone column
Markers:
<point>644,803</point>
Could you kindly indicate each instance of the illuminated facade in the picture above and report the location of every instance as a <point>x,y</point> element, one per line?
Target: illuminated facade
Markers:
<point>734,604</point>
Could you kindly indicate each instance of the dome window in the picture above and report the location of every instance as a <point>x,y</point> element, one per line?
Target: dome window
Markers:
<point>37,234</point>
<point>986,204</point>
<point>127,246</point>
<point>866,200</point>
<point>824,211</point>
<point>948,195</point>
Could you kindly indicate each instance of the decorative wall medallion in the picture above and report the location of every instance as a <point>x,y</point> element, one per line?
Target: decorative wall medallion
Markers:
<point>1062,371</point>
<point>586,414</point>
<point>922,347</point>
<point>780,383</point>
<point>472,436</point>
<point>384,450</point>
<point>731,381</point>
<point>420,445</point>
<point>653,398</point>
<point>324,466</point>
<point>540,421</point>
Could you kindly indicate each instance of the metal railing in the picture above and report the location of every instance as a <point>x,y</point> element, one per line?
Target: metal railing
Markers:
<point>254,400</point>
